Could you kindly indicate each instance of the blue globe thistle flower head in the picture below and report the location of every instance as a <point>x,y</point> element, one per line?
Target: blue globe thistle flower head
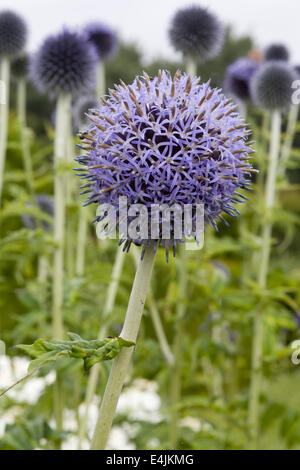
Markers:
<point>276,52</point>
<point>166,140</point>
<point>20,66</point>
<point>238,77</point>
<point>197,32</point>
<point>104,40</point>
<point>46,205</point>
<point>272,86</point>
<point>13,33</point>
<point>64,63</point>
<point>80,109</point>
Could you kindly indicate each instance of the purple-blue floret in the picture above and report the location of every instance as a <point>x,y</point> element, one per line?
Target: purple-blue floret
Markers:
<point>13,34</point>
<point>167,140</point>
<point>104,40</point>
<point>238,77</point>
<point>64,63</point>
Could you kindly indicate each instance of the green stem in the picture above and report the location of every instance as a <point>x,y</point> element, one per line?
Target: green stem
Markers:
<point>21,111</point>
<point>63,111</point>
<point>289,138</point>
<point>4,106</point>
<point>120,365</point>
<point>257,344</point>
<point>176,370</point>
<point>191,66</point>
<point>155,317</point>
<point>108,309</point>
<point>81,242</point>
<point>100,79</point>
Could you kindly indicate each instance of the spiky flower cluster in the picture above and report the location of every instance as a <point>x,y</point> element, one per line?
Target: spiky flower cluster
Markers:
<point>64,63</point>
<point>195,31</point>
<point>20,66</point>
<point>45,204</point>
<point>104,40</point>
<point>167,141</point>
<point>13,33</point>
<point>276,52</point>
<point>239,76</point>
<point>272,86</point>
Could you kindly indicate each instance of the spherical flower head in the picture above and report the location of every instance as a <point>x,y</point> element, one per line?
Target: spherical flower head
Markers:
<point>196,32</point>
<point>166,141</point>
<point>64,63</point>
<point>13,34</point>
<point>239,76</point>
<point>276,52</point>
<point>104,40</point>
<point>272,86</point>
<point>20,66</point>
<point>82,106</point>
<point>45,204</point>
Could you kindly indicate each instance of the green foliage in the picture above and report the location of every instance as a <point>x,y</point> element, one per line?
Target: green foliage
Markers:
<point>45,352</point>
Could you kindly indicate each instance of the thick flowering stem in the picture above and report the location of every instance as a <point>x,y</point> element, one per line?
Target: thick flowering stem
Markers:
<point>81,242</point>
<point>100,79</point>
<point>179,334</point>
<point>21,110</point>
<point>108,309</point>
<point>60,148</point>
<point>257,344</point>
<point>191,66</point>
<point>120,365</point>
<point>4,106</point>
<point>289,138</point>
<point>156,320</point>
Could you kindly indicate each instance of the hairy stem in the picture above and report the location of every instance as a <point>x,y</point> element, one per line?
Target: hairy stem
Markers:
<point>63,111</point>
<point>289,138</point>
<point>108,309</point>
<point>257,344</point>
<point>191,66</point>
<point>155,317</point>
<point>4,106</point>
<point>21,110</point>
<point>176,370</point>
<point>121,363</point>
<point>100,80</point>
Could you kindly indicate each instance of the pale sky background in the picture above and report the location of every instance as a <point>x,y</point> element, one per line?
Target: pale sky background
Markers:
<point>145,22</point>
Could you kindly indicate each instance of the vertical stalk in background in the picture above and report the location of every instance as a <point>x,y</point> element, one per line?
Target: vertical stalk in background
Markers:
<point>100,79</point>
<point>108,308</point>
<point>289,138</point>
<point>191,67</point>
<point>63,112</point>
<point>257,344</point>
<point>179,334</point>
<point>4,107</point>
<point>21,112</point>
<point>121,363</point>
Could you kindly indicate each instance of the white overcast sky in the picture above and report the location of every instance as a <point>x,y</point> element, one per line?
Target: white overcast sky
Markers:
<point>145,22</point>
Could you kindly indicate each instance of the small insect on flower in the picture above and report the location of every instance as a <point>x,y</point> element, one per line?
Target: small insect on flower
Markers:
<point>276,52</point>
<point>197,32</point>
<point>64,63</point>
<point>13,34</point>
<point>104,40</point>
<point>238,77</point>
<point>272,86</point>
<point>167,140</point>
